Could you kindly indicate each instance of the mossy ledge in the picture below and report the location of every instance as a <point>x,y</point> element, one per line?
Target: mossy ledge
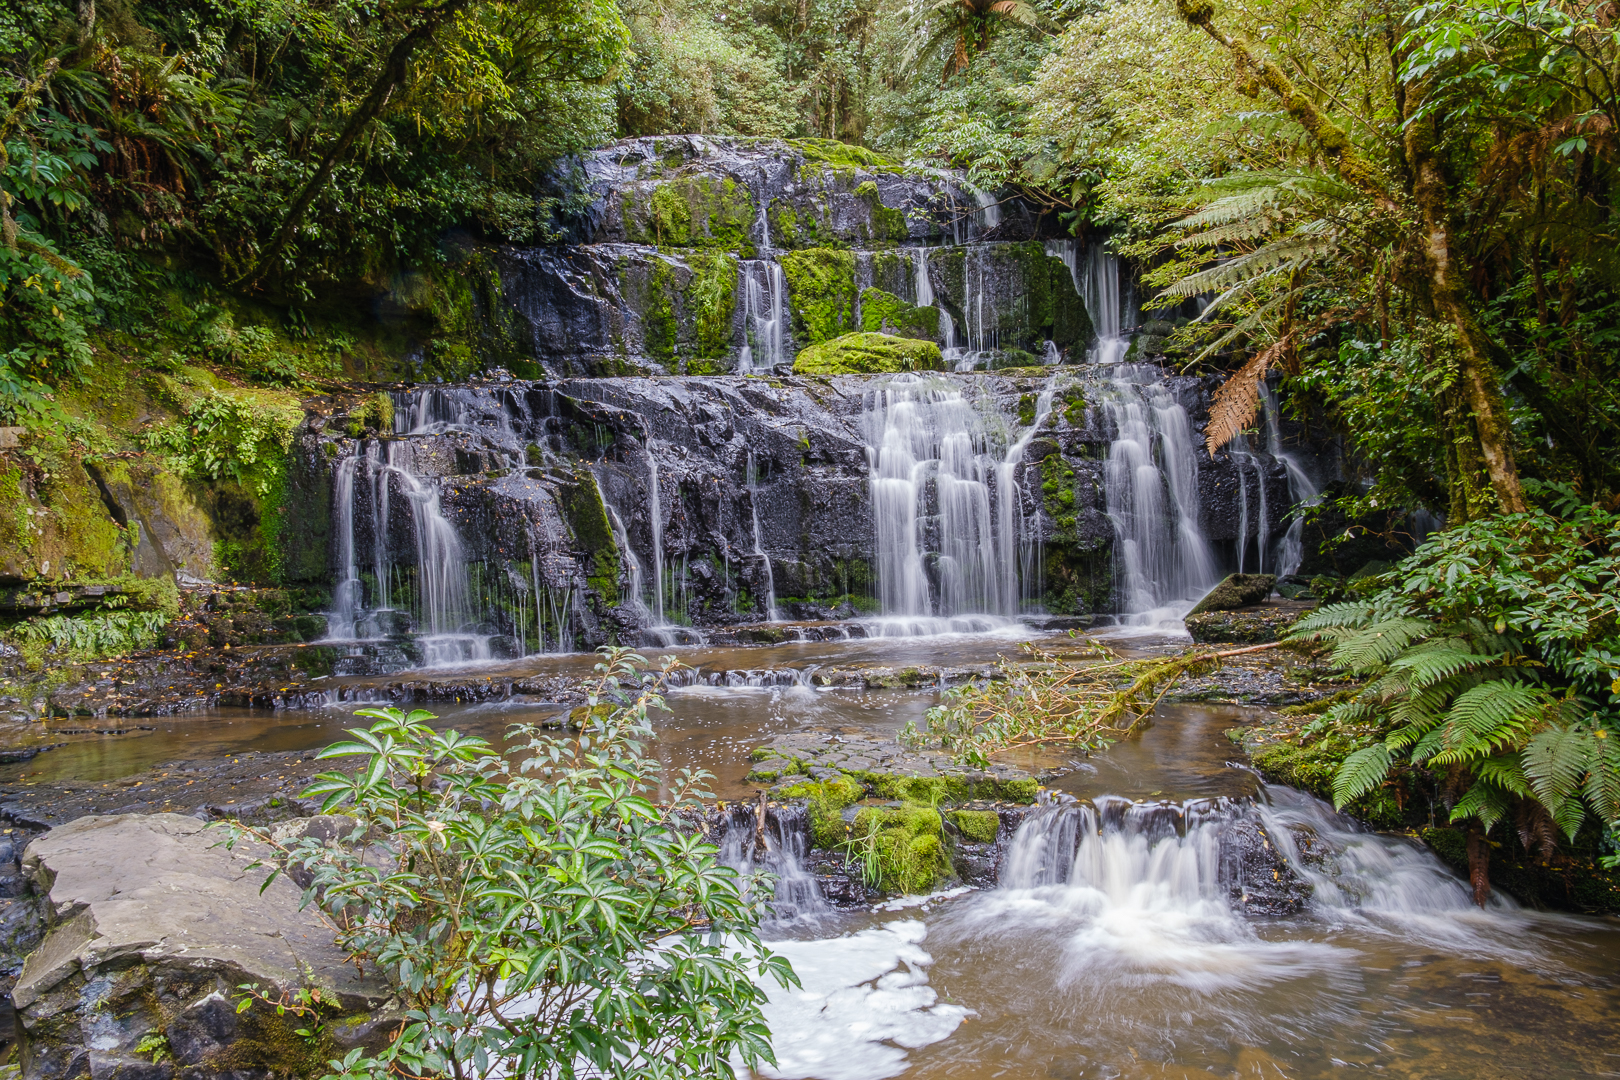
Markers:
<point>869,354</point>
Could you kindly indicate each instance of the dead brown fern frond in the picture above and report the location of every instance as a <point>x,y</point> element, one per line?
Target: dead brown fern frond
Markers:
<point>1237,402</point>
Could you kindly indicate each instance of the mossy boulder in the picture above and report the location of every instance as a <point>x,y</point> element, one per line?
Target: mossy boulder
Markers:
<point>908,845</point>
<point>869,354</point>
<point>1236,591</point>
<point>976,826</point>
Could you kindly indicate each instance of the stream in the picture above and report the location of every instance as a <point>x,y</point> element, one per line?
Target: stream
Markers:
<point>1111,946</point>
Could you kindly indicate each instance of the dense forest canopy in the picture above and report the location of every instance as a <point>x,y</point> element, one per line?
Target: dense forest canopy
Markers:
<point>1403,211</point>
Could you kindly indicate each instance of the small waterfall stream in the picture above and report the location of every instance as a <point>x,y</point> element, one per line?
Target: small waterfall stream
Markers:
<point>780,847</point>
<point>1164,563</point>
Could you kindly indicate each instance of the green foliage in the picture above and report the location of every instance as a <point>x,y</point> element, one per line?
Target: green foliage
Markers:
<point>239,437</point>
<point>868,354</point>
<point>1492,655</point>
<point>88,637</point>
<point>539,913</point>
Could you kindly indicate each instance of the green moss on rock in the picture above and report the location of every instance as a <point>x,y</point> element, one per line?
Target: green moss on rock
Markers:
<point>909,844</point>
<point>587,517</point>
<point>698,211</point>
<point>826,800</point>
<point>869,354</point>
<point>712,298</point>
<point>821,293</point>
<point>884,312</point>
<point>977,826</point>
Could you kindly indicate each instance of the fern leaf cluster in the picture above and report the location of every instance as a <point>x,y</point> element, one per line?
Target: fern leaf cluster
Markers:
<point>1459,695</point>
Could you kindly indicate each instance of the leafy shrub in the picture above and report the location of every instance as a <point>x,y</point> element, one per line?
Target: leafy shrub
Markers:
<point>222,436</point>
<point>538,914</point>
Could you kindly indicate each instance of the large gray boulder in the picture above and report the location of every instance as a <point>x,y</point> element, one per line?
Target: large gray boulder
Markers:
<point>152,927</point>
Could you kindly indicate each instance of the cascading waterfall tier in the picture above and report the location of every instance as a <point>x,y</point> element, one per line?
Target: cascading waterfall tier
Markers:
<point>947,506</point>
<point>1210,861</point>
<point>1163,560</point>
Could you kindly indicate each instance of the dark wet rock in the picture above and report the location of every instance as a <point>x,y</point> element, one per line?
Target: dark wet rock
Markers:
<point>1236,591</point>
<point>1246,626</point>
<point>1255,874</point>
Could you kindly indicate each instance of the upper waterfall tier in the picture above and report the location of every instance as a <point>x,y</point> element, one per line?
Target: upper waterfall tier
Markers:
<point>702,256</point>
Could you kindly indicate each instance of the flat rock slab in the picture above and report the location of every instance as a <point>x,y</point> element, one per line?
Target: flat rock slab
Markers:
<point>156,889</point>
<point>885,767</point>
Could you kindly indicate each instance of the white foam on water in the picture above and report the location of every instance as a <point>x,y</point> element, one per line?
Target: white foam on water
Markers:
<point>864,1001</point>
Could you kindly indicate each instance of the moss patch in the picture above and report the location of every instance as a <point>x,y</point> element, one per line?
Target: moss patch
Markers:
<point>587,516</point>
<point>977,826</point>
<point>884,312</point>
<point>712,298</point>
<point>909,844</point>
<point>821,293</point>
<point>699,211</point>
<point>827,800</point>
<point>869,354</point>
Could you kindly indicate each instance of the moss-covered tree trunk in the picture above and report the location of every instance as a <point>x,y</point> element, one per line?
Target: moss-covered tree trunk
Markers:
<point>1439,277</point>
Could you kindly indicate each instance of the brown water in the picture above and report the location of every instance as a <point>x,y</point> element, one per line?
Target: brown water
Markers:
<point>1132,965</point>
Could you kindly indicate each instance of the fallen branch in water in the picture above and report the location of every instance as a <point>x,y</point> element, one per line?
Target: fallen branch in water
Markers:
<point>1043,700</point>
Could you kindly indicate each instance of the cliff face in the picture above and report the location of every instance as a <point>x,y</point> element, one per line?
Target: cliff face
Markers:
<point>646,459</point>
<point>692,255</point>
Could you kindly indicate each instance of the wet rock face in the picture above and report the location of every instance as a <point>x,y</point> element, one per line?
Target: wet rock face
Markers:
<point>701,256</point>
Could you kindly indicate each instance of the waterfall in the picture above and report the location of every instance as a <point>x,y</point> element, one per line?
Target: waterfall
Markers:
<point>752,483</point>
<point>1163,562</point>
<point>785,840</point>
<point>1183,867</point>
<point>657,525</point>
<point>942,496</point>
<point>1105,289</point>
<point>349,596</point>
<point>764,314</point>
<point>924,290</point>
<point>1302,490</point>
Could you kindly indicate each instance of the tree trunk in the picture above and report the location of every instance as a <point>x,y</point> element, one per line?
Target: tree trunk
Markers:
<point>1479,864</point>
<point>1476,373</point>
<point>395,68</point>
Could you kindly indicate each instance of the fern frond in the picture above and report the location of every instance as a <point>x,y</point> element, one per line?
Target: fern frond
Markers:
<point>1379,643</point>
<point>1495,715</point>
<point>1505,772</point>
<point>1361,772</point>
<point>1602,788</point>
<point>1556,762</point>
<point>1434,662</point>
<point>1484,801</point>
<point>1287,253</point>
<point>1342,616</point>
<point>1237,402</point>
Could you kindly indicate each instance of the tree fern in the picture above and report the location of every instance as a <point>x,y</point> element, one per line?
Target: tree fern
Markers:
<point>1556,762</point>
